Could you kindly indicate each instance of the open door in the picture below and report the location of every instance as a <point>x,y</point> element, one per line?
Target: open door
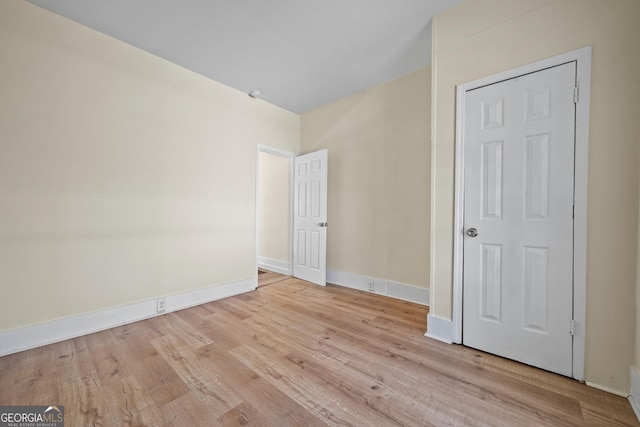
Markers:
<point>310,217</point>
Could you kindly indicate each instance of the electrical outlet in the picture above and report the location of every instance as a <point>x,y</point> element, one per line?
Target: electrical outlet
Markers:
<point>161,305</point>
<point>372,286</point>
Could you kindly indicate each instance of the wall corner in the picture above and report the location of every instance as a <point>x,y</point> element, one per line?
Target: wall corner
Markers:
<point>634,397</point>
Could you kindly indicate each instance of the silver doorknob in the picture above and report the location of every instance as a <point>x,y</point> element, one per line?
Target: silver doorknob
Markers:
<point>322,224</point>
<point>472,232</point>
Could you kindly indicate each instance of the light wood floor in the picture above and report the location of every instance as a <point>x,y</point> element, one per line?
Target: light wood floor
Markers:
<point>294,354</point>
<point>266,277</point>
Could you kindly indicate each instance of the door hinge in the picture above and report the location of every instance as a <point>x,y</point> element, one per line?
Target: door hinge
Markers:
<point>576,94</point>
<point>572,327</point>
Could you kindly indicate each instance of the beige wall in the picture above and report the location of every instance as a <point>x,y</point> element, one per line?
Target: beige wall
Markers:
<point>481,38</point>
<point>378,198</point>
<point>637,313</point>
<point>122,177</point>
<point>274,207</point>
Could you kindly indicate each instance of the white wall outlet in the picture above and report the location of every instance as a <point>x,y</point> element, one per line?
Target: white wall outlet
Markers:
<point>372,285</point>
<point>161,305</point>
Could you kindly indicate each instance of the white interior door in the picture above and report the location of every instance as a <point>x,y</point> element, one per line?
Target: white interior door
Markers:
<point>310,217</point>
<point>518,218</point>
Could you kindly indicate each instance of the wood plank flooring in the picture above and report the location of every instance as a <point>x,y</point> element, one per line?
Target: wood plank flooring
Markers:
<point>294,354</point>
<point>266,277</point>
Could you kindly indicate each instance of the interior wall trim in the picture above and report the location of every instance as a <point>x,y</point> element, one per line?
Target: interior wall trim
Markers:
<point>439,329</point>
<point>634,397</point>
<point>388,288</point>
<point>277,266</point>
<point>28,337</point>
<point>606,388</point>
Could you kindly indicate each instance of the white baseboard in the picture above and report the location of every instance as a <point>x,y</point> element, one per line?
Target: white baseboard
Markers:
<point>381,287</point>
<point>607,389</point>
<point>274,265</point>
<point>634,397</point>
<point>20,339</point>
<point>439,329</point>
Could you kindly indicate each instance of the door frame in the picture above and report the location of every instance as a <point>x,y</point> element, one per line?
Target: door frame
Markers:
<point>288,155</point>
<point>583,77</point>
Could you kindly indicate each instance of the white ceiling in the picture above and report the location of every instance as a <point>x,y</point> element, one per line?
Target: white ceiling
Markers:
<point>301,53</point>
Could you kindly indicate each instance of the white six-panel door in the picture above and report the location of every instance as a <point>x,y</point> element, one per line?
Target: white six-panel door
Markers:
<point>310,217</point>
<point>518,218</point>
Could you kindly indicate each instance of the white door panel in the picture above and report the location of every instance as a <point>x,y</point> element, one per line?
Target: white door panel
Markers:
<point>310,217</point>
<point>518,195</point>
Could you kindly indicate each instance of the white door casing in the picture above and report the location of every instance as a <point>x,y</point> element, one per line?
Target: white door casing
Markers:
<point>518,197</point>
<point>310,217</point>
<point>452,331</point>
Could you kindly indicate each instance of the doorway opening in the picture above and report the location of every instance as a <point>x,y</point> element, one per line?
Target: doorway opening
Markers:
<point>274,214</point>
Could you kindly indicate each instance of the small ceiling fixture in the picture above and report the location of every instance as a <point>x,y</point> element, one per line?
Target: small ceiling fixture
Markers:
<point>255,93</point>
